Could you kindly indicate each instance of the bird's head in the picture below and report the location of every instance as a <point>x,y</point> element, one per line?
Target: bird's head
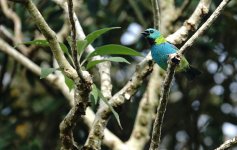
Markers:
<point>151,33</point>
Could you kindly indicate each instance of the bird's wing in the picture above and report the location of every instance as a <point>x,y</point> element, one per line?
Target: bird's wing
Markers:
<point>173,46</point>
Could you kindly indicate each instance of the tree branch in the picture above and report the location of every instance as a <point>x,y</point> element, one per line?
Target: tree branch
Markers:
<point>117,100</point>
<point>110,139</point>
<point>156,133</point>
<point>156,14</point>
<point>104,69</point>
<point>52,79</point>
<point>17,38</point>
<point>102,115</point>
<point>191,24</point>
<point>228,144</point>
<point>143,122</point>
<point>157,126</point>
<point>83,83</point>
<point>81,93</point>
<point>149,101</point>
<point>147,106</point>
<point>52,39</point>
<point>167,7</point>
<point>74,40</point>
<point>58,83</point>
<point>105,79</point>
<point>205,26</point>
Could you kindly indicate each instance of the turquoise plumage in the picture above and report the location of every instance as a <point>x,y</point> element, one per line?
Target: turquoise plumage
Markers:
<point>160,54</point>
<point>161,49</point>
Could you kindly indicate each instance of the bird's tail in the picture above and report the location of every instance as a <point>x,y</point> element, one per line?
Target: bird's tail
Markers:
<point>191,72</point>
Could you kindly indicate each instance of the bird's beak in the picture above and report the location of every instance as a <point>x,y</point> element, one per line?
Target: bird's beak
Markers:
<point>145,33</point>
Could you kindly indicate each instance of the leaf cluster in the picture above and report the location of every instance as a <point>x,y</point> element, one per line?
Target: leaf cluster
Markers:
<point>109,49</point>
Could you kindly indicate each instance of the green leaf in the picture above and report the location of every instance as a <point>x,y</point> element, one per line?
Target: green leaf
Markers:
<point>38,42</point>
<point>69,40</point>
<point>46,71</point>
<point>94,93</point>
<point>44,43</point>
<point>69,83</point>
<point>113,59</point>
<point>64,48</point>
<point>112,49</point>
<point>94,35</point>
<point>110,107</point>
<point>81,45</point>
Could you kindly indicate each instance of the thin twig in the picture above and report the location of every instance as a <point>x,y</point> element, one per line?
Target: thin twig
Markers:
<point>74,40</point>
<point>157,126</point>
<point>228,144</point>
<point>156,133</point>
<point>156,14</point>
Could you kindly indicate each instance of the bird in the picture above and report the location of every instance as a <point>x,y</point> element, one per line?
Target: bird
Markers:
<point>161,49</point>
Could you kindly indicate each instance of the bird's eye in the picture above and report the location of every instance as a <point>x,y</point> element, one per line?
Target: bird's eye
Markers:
<point>151,31</point>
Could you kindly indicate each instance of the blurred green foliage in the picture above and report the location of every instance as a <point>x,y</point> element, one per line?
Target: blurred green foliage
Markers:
<point>30,110</point>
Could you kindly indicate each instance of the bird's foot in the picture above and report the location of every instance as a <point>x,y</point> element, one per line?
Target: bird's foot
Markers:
<point>175,58</point>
